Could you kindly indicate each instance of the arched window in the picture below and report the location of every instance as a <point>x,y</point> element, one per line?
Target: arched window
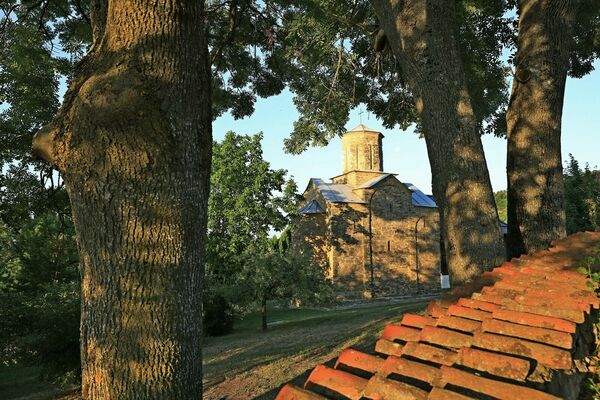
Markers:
<point>389,247</point>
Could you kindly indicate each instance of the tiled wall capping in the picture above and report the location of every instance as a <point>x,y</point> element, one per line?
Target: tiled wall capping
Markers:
<point>522,335</point>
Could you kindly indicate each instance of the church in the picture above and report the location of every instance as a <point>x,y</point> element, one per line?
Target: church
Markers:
<point>375,235</point>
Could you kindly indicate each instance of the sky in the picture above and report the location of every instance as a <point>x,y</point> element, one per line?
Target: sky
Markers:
<point>403,152</point>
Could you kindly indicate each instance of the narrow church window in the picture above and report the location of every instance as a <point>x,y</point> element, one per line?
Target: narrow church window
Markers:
<point>389,247</point>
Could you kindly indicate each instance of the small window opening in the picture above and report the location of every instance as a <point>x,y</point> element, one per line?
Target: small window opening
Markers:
<point>389,247</point>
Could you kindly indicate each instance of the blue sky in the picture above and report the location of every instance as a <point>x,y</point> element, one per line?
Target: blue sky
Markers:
<point>403,152</point>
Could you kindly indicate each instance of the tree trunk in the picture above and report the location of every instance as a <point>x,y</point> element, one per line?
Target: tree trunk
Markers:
<point>263,312</point>
<point>133,142</point>
<point>536,212</point>
<point>421,36</point>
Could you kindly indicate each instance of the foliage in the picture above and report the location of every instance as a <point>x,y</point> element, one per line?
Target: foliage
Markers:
<point>501,203</point>
<point>39,289</point>
<point>248,201</point>
<point>332,67</point>
<point>582,197</point>
<point>245,263</point>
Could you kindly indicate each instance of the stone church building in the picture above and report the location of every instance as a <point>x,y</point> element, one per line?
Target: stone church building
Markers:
<point>372,232</point>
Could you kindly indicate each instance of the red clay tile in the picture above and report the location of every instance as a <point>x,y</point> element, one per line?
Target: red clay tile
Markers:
<point>490,387</point>
<point>337,381</point>
<point>380,388</point>
<point>591,299</point>
<point>291,392</point>
<point>444,337</point>
<point>426,352</point>
<point>489,298</point>
<point>506,285</point>
<point>459,324</point>
<point>547,355</point>
<point>540,321</point>
<point>398,332</point>
<point>417,321</point>
<point>435,309</point>
<point>411,369</point>
<point>477,304</point>
<point>493,363</point>
<point>466,312</point>
<point>443,394</point>
<point>567,303</point>
<point>359,360</point>
<point>542,335</point>
<point>504,293</point>
<point>383,346</point>
<point>576,316</point>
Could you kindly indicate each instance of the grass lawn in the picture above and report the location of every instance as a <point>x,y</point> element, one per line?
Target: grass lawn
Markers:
<point>250,363</point>
<point>23,382</point>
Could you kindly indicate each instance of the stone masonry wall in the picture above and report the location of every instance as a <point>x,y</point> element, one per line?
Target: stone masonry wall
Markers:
<point>395,256</point>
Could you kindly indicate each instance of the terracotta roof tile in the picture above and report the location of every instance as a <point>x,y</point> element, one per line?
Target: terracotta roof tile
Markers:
<point>337,381</point>
<point>380,388</point>
<point>525,318</point>
<point>435,309</point>
<point>384,346</point>
<point>412,369</point>
<point>417,321</point>
<point>494,363</point>
<point>547,355</point>
<point>445,337</point>
<point>478,304</point>
<point>359,360</point>
<point>476,345</point>
<point>427,352</point>
<point>394,332</point>
<point>470,313</point>
<point>490,387</point>
<point>541,335</point>
<point>443,394</point>
<point>291,392</point>
<point>459,324</point>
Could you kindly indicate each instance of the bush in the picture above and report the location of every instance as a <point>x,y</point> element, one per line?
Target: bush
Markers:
<point>217,315</point>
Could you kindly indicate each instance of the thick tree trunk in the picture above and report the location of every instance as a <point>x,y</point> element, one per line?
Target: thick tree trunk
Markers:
<point>421,36</point>
<point>133,141</point>
<point>536,212</point>
<point>263,312</point>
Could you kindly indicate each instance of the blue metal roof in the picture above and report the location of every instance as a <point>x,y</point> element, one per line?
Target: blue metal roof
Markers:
<point>336,192</point>
<point>312,208</point>
<point>419,198</point>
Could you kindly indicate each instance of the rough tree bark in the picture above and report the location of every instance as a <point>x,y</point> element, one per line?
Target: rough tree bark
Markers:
<point>536,212</point>
<point>133,142</point>
<point>421,35</point>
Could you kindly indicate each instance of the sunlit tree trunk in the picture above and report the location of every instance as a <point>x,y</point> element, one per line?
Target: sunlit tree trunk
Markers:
<point>536,212</point>
<point>133,142</point>
<point>421,35</point>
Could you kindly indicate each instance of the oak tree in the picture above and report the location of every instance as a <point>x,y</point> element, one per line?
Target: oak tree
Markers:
<point>555,38</point>
<point>132,140</point>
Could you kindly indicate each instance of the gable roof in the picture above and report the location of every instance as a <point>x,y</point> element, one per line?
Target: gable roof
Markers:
<point>419,198</point>
<point>311,208</point>
<point>335,192</point>
<point>373,182</point>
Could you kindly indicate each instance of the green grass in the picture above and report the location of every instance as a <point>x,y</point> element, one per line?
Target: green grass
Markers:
<point>24,383</point>
<point>249,362</point>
